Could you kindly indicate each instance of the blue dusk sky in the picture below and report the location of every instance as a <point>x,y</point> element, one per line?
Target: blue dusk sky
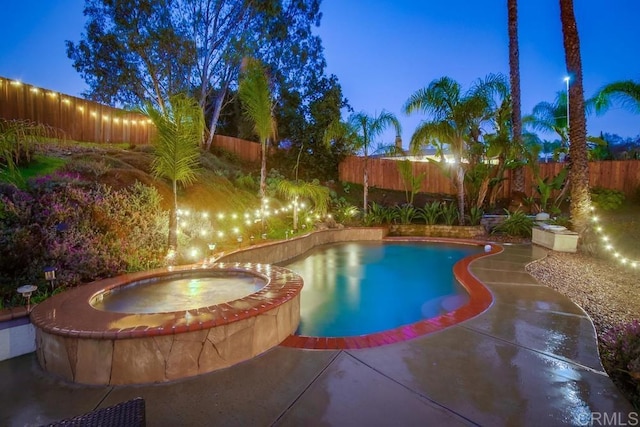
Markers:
<point>384,50</point>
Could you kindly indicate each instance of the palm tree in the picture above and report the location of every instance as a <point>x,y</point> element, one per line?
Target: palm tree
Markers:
<point>360,132</point>
<point>179,129</point>
<point>454,119</point>
<point>625,93</point>
<point>579,173</point>
<point>514,80</point>
<point>257,104</point>
<point>551,117</point>
<point>318,194</point>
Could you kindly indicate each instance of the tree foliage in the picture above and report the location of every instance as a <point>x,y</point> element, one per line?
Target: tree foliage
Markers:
<point>360,133</point>
<point>257,104</point>
<point>138,51</point>
<point>625,93</point>
<point>176,147</point>
<point>454,118</point>
<point>294,191</point>
<point>132,52</point>
<point>301,128</point>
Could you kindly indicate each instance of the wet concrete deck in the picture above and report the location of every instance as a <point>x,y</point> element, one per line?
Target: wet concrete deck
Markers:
<point>530,359</point>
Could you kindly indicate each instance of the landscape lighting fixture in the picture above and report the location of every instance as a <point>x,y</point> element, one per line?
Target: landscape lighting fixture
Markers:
<point>50,275</point>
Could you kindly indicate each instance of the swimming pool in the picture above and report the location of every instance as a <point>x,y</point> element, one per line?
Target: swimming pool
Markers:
<point>360,288</point>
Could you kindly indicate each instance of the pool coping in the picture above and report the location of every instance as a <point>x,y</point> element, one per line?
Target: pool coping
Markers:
<point>480,299</point>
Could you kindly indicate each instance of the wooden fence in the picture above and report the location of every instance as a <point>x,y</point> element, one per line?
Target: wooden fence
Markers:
<point>622,175</point>
<point>82,120</point>
<point>76,118</point>
<point>245,150</point>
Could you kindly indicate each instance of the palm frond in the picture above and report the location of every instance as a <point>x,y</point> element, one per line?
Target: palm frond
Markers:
<point>179,130</point>
<point>255,94</point>
<point>318,194</point>
<point>626,93</point>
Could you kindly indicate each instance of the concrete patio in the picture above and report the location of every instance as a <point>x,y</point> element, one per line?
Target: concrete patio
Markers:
<point>530,359</point>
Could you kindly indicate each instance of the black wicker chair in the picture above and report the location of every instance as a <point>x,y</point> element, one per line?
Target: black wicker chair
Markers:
<point>126,414</point>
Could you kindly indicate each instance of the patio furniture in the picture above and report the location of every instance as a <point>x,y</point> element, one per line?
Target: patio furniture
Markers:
<point>126,414</point>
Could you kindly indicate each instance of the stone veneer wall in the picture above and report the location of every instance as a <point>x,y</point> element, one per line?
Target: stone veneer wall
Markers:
<point>277,252</point>
<point>451,231</point>
<point>165,357</point>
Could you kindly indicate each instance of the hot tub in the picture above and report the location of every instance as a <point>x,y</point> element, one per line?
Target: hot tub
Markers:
<point>81,341</point>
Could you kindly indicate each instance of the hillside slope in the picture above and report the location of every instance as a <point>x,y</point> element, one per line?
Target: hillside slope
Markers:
<point>121,167</point>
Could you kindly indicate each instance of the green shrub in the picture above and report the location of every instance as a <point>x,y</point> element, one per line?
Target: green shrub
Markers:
<point>475,215</point>
<point>272,180</point>
<point>606,199</point>
<point>430,213</point>
<point>449,212</point>
<point>344,212</point>
<point>562,220</point>
<point>346,187</point>
<point>247,182</point>
<point>621,358</point>
<point>84,231</point>
<point>516,224</point>
<point>405,213</point>
<point>379,215</point>
<point>88,167</point>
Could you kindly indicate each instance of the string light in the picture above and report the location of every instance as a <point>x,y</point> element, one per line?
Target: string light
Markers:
<point>625,261</point>
<point>228,227</point>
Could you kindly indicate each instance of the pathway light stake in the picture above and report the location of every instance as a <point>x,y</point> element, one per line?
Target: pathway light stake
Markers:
<point>50,275</point>
<point>26,292</point>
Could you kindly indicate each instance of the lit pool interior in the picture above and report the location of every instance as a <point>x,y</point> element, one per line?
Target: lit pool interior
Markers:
<point>178,294</point>
<point>360,288</point>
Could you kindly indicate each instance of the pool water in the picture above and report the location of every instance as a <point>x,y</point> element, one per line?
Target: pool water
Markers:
<point>361,288</point>
<point>178,294</point>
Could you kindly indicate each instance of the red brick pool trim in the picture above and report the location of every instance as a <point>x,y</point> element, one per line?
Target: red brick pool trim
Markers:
<point>71,314</point>
<point>479,300</point>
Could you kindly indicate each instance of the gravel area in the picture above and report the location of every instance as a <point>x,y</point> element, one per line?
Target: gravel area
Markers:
<point>608,291</point>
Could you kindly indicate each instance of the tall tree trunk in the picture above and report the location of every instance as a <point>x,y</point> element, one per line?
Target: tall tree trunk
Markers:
<point>365,181</point>
<point>579,165</point>
<point>295,214</point>
<point>173,220</point>
<point>217,108</point>
<point>514,81</point>
<point>263,181</point>
<point>263,169</point>
<point>460,181</point>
